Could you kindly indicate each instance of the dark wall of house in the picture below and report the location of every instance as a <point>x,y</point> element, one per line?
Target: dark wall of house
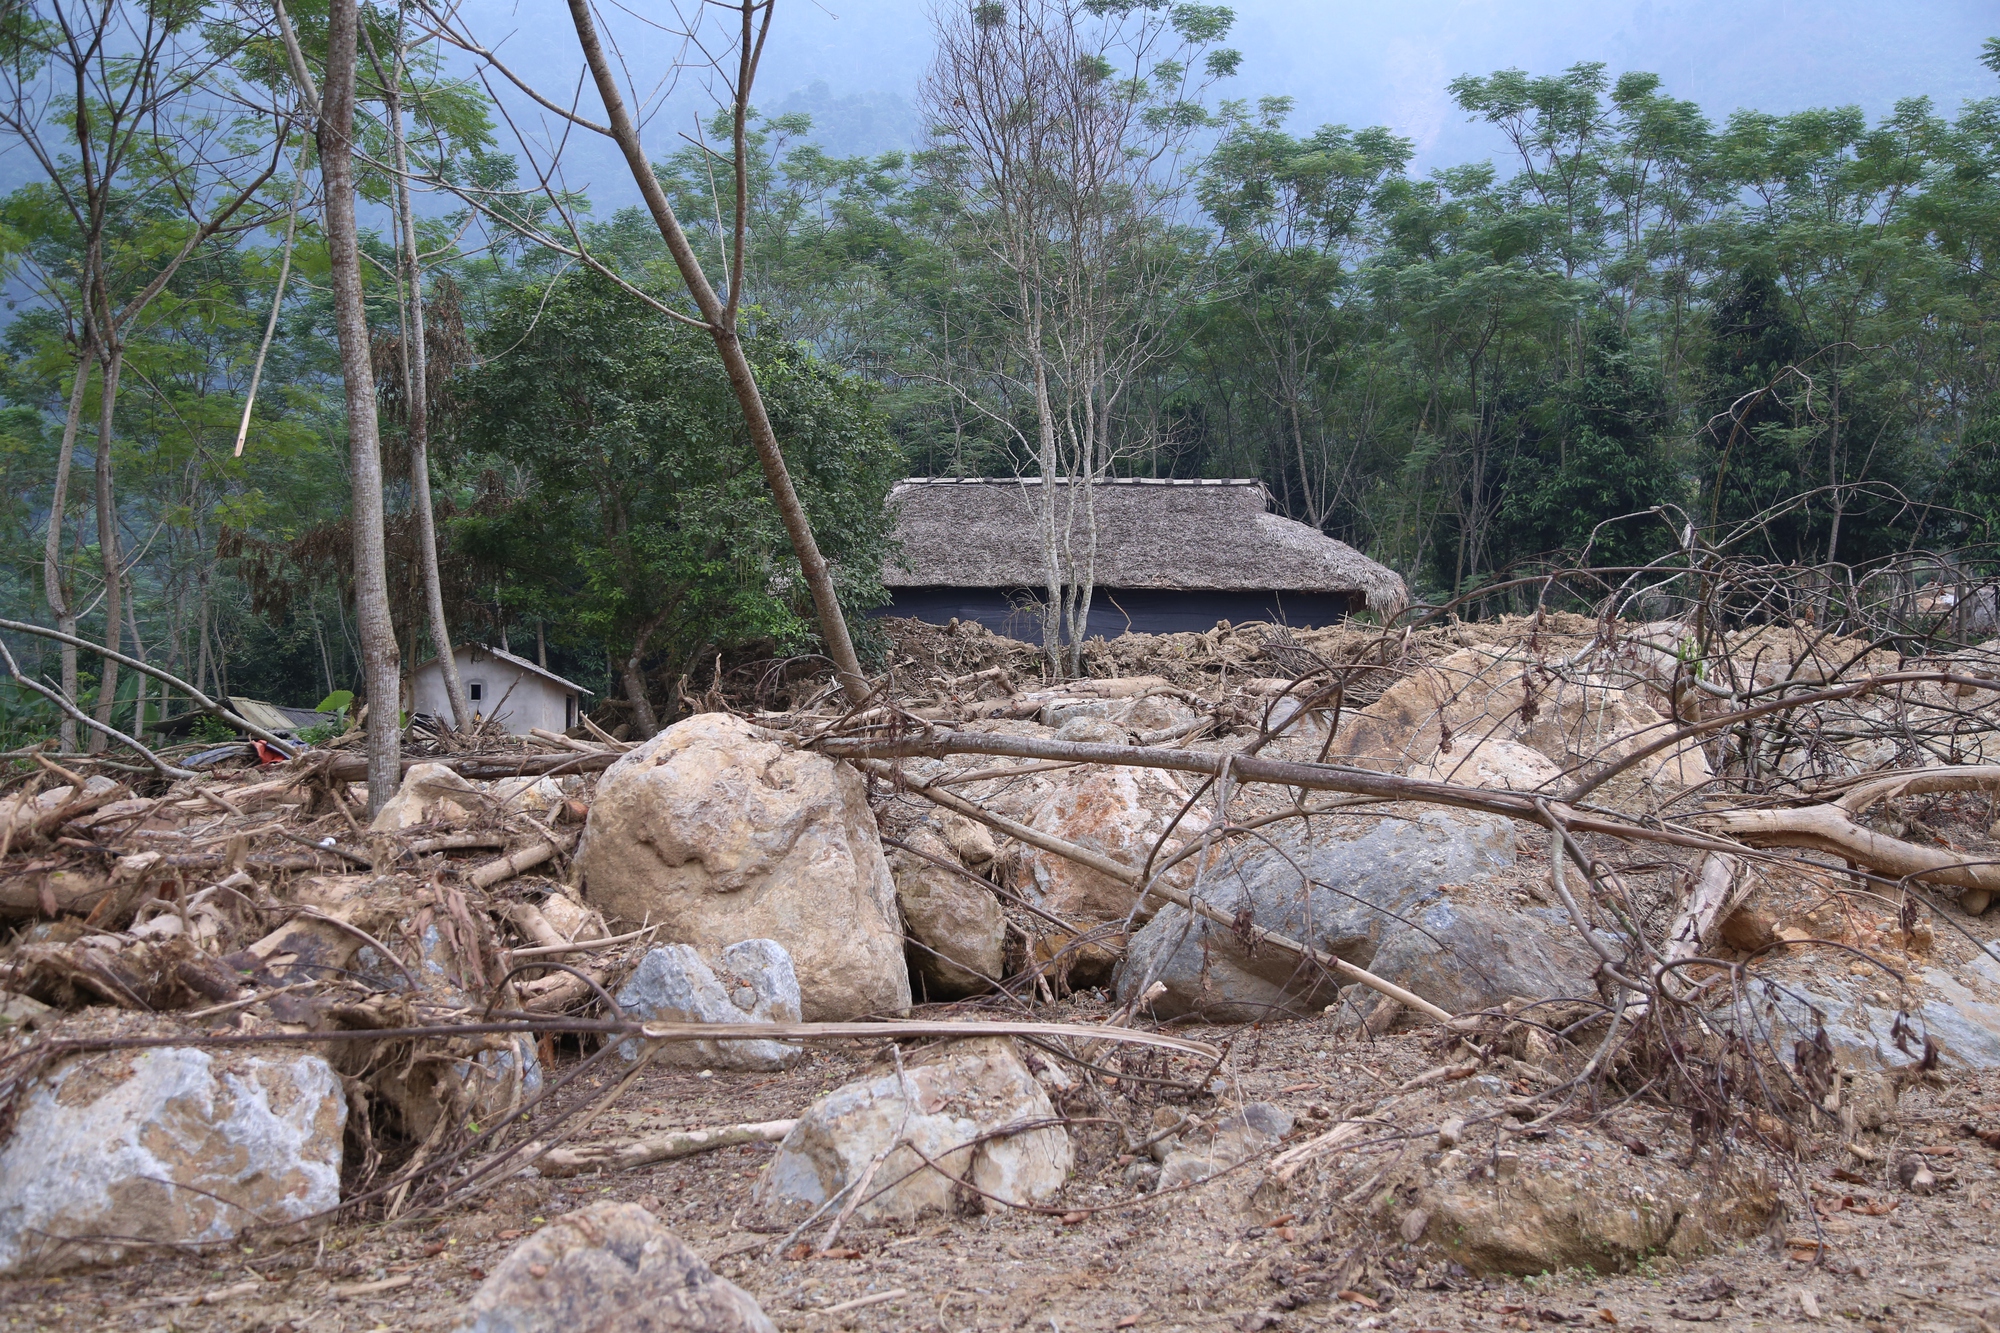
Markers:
<point>1114,611</point>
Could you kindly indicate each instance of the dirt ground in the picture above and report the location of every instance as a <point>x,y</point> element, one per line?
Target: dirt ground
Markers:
<point>1198,1260</point>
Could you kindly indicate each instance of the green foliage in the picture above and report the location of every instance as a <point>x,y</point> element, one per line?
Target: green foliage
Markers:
<point>631,511</point>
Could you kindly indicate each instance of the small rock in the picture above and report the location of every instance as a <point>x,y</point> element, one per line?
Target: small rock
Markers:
<point>1914,1175</point>
<point>957,930</point>
<point>531,795</point>
<point>1085,730</point>
<point>1975,901</point>
<point>605,1269</point>
<point>1451,1133</point>
<point>752,982</point>
<point>946,1104</point>
<point>430,794</point>
<point>970,839</point>
<point>170,1146</point>
<point>1258,1126</point>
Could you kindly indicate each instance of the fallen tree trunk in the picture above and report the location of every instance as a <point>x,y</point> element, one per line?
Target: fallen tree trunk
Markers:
<point>656,1148</point>
<point>486,876</point>
<point>353,768</point>
<point>1827,828</point>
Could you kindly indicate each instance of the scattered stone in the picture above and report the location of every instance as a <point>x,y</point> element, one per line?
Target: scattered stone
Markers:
<point>947,1105</point>
<point>1378,898</point>
<point>606,1269</point>
<point>1231,1141</point>
<point>752,982</point>
<point>165,1146</point>
<point>958,932</point>
<point>971,840</point>
<point>1559,1209</point>
<point>716,831</point>
<point>430,794</point>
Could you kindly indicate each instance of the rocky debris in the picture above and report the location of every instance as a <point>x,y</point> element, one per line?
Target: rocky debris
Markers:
<point>1494,764</point>
<point>1573,1201</point>
<point>1381,897</point>
<point>609,1268</point>
<point>168,1145</point>
<point>751,982</point>
<point>951,1105</point>
<point>1573,718</point>
<point>957,931</point>
<point>969,839</point>
<point>430,794</point>
<point>1198,1154</point>
<point>715,830</point>
<point>1119,812</point>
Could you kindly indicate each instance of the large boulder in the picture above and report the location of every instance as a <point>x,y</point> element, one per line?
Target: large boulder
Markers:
<point>715,831</point>
<point>948,1105</point>
<point>168,1146</point>
<point>1575,719</point>
<point>1389,897</point>
<point>606,1269</point>
<point>958,934</point>
<point>752,982</point>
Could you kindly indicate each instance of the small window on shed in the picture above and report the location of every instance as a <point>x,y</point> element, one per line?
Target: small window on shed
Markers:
<point>475,690</point>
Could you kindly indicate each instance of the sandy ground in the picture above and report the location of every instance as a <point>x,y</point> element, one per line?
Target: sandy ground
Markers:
<point>1199,1260</point>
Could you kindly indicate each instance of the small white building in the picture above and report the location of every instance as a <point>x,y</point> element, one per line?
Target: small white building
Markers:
<point>512,690</point>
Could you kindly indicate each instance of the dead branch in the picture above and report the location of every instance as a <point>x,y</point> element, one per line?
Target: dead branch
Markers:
<point>657,1148</point>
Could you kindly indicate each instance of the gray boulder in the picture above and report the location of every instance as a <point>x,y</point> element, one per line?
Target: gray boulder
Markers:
<point>752,982</point>
<point>167,1146</point>
<point>1381,898</point>
<point>611,1266</point>
<point>952,1105</point>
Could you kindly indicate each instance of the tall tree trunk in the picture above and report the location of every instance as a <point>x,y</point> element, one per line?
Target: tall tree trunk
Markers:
<point>52,579</point>
<point>107,541</point>
<point>721,320</point>
<point>418,407</point>
<point>633,672</point>
<point>381,667</point>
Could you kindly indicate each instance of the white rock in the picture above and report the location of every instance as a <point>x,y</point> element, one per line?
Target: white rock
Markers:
<point>168,1145</point>
<point>716,831</point>
<point>752,982</point>
<point>535,796</point>
<point>1492,763</point>
<point>431,793</point>
<point>943,1105</point>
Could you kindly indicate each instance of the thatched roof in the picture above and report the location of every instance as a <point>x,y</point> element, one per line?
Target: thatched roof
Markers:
<point>979,532</point>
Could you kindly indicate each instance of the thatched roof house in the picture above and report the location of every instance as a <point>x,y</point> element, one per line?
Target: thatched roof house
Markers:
<point>1171,556</point>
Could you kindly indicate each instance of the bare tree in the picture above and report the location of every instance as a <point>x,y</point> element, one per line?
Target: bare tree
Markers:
<point>111,100</point>
<point>381,660</point>
<point>728,50</point>
<point>416,381</point>
<point>1066,127</point>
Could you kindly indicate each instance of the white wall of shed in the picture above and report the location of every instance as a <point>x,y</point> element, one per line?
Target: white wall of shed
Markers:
<point>534,702</point>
